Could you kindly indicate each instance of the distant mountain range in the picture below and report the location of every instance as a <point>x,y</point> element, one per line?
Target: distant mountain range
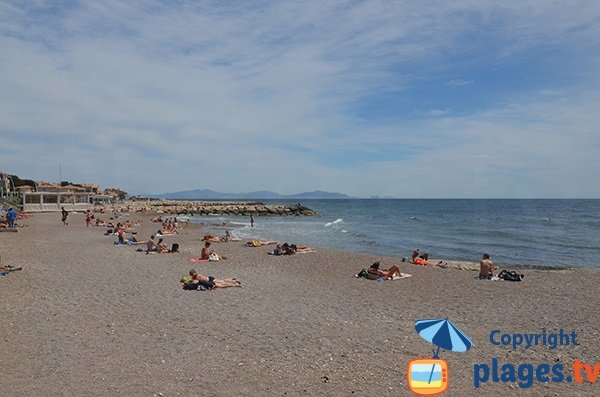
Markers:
<point>207,194</point>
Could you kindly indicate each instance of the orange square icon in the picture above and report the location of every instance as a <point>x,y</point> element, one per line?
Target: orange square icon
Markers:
<point>427,376</point>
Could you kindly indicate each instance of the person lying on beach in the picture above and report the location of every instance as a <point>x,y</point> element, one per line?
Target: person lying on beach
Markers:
<point>259,243</point>
<point>375,272</point>
<point>165,233</point>
<point>290,249</point>
<point>486,267</point>
<point>211,238</point>
<point>208,254</point>
<point>8,268</point>
<point>423,260</point>
<point>168,228</point>
<point>208,282</point>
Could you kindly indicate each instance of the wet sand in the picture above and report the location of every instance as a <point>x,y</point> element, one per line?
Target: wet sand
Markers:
<point>87,318</point>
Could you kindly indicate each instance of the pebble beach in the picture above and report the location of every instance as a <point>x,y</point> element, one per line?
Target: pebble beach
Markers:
<point>87,318</point>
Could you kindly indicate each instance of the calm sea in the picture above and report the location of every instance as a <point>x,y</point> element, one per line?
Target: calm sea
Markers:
<point>513,232</point>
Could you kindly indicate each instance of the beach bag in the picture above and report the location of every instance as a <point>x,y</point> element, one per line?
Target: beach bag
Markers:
<point>510,276</point>
<point>175,247</point>
<point>213,257</point>
<point>363,273</point>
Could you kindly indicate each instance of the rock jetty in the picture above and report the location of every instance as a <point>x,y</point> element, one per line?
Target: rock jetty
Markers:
<point>192,208</point>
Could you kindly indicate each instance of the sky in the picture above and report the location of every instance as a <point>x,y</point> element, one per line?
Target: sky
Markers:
<point>408,99</point>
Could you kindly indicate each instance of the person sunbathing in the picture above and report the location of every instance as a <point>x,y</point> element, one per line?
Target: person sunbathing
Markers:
<point>259,243</point>
<point>375,272</point>
<point>302,250</point>
<point>211,238</point>
<point>208,254</point>
<point>423,260</point>
<point>8,268</point>
<point>210,282</point>
<point>161,247</point>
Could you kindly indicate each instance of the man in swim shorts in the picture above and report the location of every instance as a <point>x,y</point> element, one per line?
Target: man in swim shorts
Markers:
<point>486,267</point>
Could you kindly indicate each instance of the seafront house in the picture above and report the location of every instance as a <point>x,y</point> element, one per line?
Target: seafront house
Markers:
<point>6,184</point>
<point>49,197</point>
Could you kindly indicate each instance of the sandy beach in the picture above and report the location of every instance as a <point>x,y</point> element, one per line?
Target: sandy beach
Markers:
<point>87,318</point>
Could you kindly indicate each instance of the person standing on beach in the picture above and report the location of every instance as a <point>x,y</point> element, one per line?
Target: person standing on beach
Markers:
<point>65,214</point>
<point>88,218</point>
<point>11,217</point>
<point>251,220</point>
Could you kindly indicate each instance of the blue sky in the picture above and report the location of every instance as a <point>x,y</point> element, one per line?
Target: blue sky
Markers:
<point>406,99</point>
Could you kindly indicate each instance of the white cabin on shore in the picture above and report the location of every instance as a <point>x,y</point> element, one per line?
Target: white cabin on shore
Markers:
<point>54,201</point>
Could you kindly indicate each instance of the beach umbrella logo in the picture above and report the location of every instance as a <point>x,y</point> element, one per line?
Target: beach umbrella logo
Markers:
<point>429,376</point>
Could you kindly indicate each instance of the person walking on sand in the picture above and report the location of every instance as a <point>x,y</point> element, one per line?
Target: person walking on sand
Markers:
<point>11,217</point>
<point>65,214</point>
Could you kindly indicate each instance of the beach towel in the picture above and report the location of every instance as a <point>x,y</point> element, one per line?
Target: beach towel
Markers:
<point>395,277</point>
<point>165,235</point>
<point>489,279</point>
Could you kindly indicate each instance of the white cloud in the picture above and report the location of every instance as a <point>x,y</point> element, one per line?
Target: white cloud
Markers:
<point>459,82</point>
<point>261,95</point>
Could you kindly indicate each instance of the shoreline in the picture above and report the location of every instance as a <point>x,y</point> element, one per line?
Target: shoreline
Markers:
<point>460,264</point>
<point>90,318</point>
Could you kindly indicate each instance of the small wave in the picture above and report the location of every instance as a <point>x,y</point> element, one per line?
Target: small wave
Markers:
<point>339,220</point>
<point>344,231</point>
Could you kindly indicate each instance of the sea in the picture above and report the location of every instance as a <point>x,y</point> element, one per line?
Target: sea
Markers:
<point>530,232</point>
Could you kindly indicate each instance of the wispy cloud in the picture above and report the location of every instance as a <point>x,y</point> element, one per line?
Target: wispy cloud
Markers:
<point>459,82</point>
<point>438,112</point>
<point>235,96</point>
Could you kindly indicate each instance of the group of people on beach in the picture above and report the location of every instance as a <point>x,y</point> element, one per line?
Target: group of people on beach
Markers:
<point>423,259</point>
<point>486,269</point>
